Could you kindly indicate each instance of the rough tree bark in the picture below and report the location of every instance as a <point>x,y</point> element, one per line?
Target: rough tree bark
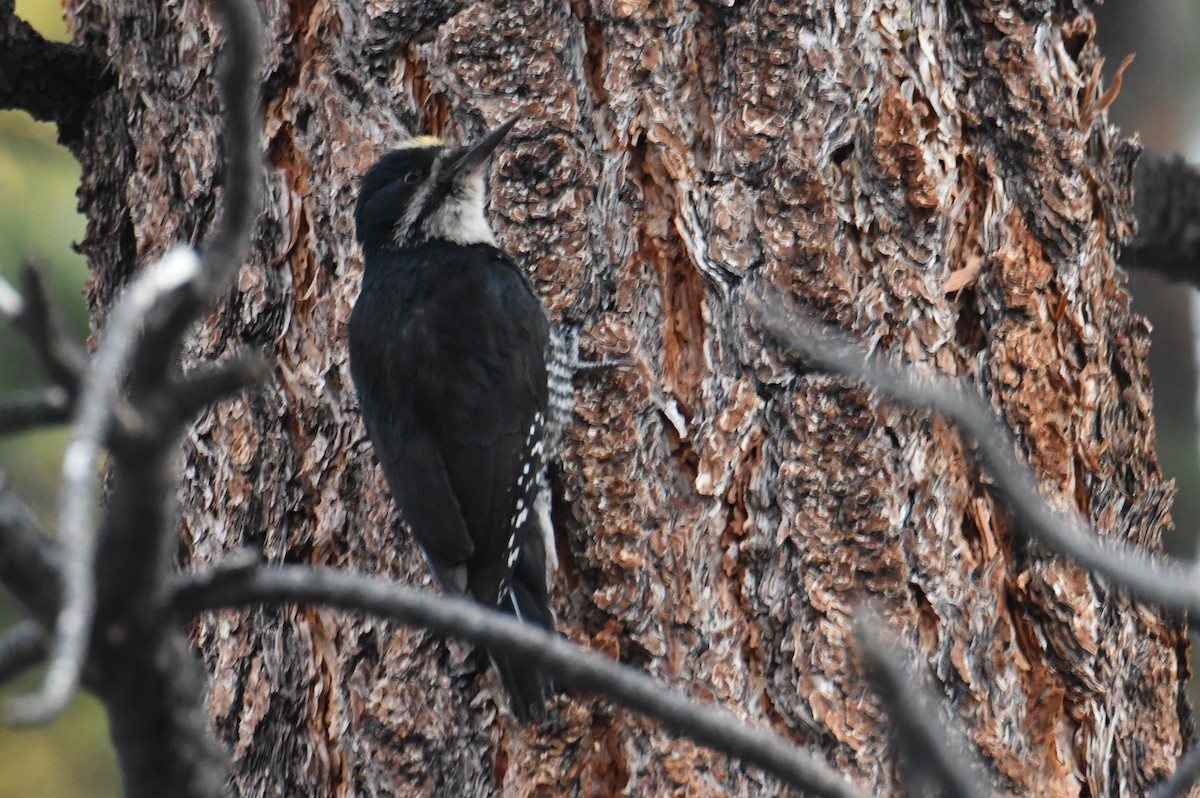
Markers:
<point>939,177</point>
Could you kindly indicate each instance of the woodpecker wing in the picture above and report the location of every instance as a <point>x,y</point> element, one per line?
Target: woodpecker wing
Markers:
<point>381,364</point>
<point>494,396</point>
<point>448,355</point>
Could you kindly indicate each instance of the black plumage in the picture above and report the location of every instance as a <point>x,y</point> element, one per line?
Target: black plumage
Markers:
<point>448,356</point>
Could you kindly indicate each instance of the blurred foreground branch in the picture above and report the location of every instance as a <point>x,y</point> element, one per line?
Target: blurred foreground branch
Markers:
<point>1157,582</point>
<point>571,665</point>
<point>1167,208</point>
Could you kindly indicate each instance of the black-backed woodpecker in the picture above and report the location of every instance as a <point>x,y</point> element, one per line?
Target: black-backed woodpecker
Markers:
<point>448,348</point>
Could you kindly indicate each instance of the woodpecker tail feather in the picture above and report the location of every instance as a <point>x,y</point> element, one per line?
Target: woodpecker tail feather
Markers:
<point>529,688</point>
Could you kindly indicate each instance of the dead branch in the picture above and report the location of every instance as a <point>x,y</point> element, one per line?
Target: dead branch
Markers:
<point>1167,208</point>
<point>21,647</point>
<point>30,562</point>
<point>570,664</point>
<point>77,495</point>
<point>1150,580</point>
<point>929,753</point>
<point>34,409</point>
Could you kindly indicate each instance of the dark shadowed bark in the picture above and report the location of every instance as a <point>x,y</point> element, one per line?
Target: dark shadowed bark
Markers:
<point>939,179</point>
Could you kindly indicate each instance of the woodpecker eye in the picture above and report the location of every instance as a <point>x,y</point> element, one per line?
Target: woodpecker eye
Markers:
<point>411,176</point>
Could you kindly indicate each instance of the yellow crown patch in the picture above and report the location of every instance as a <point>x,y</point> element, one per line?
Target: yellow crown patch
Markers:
<point>421,141</point>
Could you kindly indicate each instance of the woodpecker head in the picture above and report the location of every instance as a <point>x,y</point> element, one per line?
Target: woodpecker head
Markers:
<point>426,191</point>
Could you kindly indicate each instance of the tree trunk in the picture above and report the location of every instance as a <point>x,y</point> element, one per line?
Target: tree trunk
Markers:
<point>939,178</point>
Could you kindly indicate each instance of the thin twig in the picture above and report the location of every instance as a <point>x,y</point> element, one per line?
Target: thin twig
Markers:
<point>207,384</point>
<point>225,248</point>
<point>21,647</point>
<point>61,356</point>
<point>29,559</point>
<point>1157,583</point>
<point>77,494</point>
<point>925,748</point>
<point>25,411</point>
<point>34,313</point>
<point>238,86</point>
<point>570,665</point>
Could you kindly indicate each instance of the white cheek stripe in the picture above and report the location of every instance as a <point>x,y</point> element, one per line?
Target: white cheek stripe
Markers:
<point>400,231</point>
<point>458,220</point>
<point>462,221</point>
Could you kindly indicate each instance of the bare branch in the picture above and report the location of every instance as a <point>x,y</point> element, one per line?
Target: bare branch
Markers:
<point>147,675</point>
<point>226,247</point>
<point>570,665</point>
<point>77,494</point>
<point>35,314</point>
<point>205,385</point>
<point>29,559</point>
<point>1187,770</point>
<point>1167,207</point>
<point>928,752</point>
<point>1155,582</point>
<point>21,647</point>
<point>62,357</point>
<point>238,86</point>
<point>48,406</point>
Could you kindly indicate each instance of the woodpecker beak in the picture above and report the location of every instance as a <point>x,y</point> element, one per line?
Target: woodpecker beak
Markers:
<point>476,155</point>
